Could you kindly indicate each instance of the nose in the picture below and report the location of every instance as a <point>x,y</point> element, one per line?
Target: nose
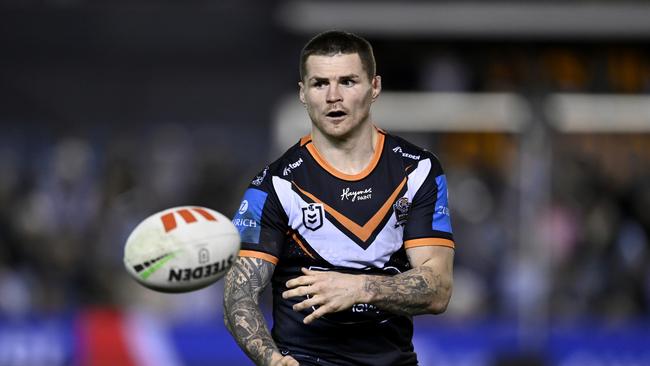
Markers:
<point>333,94</point>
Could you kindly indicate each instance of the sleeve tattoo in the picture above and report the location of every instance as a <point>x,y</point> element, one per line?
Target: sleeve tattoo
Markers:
<point>409,293</point>
<point>243,284</point>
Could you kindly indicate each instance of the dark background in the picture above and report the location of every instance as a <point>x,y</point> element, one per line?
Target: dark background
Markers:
<point>111,111</point>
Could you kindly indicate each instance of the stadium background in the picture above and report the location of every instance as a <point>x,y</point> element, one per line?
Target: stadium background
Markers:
<point>538,110</point>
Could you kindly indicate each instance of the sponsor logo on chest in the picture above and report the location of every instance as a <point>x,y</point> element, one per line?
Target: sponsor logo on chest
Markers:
<point>353,196</point>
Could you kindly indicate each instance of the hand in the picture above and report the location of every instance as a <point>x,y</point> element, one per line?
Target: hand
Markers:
<point>278,360</point>
<point>331,291</point>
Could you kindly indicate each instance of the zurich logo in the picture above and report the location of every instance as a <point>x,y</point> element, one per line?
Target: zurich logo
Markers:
<point>243,207</point>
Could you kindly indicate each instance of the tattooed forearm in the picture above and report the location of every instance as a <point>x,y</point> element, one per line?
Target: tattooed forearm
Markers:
<point>417,291</point>
<point>243,284</point>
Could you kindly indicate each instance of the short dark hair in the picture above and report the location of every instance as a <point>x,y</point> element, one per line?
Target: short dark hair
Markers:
<point>333,42</point>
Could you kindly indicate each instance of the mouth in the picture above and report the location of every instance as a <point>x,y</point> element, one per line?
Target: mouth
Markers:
<point>336,114</point>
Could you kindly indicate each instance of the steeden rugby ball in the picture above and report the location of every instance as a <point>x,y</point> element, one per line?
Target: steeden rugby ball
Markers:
<point>181,249</point>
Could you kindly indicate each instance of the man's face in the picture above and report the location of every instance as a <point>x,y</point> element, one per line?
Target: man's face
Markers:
<point>338,94</point>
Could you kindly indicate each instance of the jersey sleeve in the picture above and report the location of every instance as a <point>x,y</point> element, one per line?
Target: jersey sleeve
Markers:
<point>429,219</point>
<point>261,221</point>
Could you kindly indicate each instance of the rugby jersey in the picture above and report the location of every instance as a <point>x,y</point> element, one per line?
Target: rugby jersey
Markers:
<point>301,212</point>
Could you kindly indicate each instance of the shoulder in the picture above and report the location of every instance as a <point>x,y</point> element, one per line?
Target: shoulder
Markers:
<point>411,153</point>
<point>282,167</point>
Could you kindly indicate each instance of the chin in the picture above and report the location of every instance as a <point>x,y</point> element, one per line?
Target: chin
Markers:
<point>337,132</point>
<point>330,129</point>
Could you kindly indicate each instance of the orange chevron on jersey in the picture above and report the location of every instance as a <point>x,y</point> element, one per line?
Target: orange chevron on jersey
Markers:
<point>302,246</point>
<point>361,232</point>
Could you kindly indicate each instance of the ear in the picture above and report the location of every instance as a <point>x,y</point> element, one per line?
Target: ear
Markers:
<point>302,92</point>
<point>376,87</point>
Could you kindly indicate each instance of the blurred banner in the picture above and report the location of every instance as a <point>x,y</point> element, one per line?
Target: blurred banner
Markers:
<point>104,336</point>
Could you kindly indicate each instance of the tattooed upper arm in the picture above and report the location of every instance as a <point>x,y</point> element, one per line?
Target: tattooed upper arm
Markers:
<point>248,276</point>
<point>426,288</point>
<point>243,284</point>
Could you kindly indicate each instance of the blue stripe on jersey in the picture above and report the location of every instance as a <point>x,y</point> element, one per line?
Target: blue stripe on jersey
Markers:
<point>248,219</point>
<point>441,217</point>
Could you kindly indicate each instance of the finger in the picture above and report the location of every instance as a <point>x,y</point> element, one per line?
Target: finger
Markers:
<point>294,282</point>
<point>300,281</point>
<point>312,273</point>
<point>316,314</point>
<point>298,291</point>
<point>288,361</point>
<point>316,300</point>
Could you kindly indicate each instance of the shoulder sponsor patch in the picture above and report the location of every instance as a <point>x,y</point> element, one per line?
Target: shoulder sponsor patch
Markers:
<point>441,214</point>
<point>398,150</point>
<point>248,219</point>
<point>291,166</point>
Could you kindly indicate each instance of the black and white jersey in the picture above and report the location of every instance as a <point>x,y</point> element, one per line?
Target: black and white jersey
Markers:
<point>301,212</point>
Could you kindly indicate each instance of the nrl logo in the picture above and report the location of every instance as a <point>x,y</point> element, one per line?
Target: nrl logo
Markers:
<point>312,216</point>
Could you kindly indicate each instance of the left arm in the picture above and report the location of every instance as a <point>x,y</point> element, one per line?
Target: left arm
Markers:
<point>426,288</point>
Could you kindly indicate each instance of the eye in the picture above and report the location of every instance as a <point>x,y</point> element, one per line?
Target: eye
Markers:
<point>319,84</point>
<point>348,82</point>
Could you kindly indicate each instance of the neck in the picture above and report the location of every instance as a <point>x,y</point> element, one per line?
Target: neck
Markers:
<point>349,155</point>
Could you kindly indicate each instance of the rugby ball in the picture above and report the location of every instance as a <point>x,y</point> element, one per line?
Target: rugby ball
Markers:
<point>181,249</point>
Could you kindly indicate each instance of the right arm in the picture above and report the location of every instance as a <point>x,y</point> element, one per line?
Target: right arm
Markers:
<point>244,282</point>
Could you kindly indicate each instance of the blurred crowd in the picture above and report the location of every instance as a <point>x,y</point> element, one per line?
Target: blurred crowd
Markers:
<point>592,228</point>
<point>69,202</point>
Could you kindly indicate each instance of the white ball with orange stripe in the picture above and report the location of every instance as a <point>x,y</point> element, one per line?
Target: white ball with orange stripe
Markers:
<point>181,249</point>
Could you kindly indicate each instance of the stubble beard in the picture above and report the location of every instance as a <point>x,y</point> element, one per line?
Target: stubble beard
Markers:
<point>343,131</point>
